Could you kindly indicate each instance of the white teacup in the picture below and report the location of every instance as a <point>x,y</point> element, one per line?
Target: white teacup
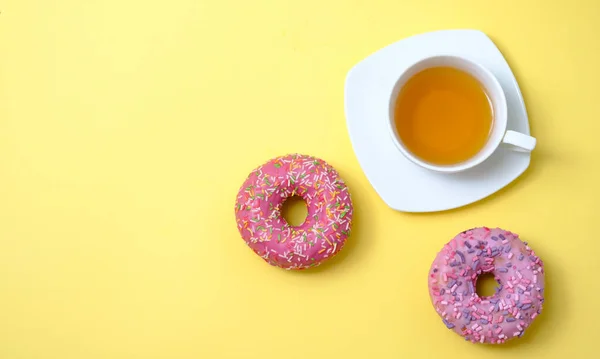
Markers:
<point>498,133</point>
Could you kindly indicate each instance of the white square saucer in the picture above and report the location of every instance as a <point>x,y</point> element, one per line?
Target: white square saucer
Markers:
<point>401,184</point>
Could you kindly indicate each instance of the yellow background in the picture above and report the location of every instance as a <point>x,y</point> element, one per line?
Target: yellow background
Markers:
<point>126,128</point>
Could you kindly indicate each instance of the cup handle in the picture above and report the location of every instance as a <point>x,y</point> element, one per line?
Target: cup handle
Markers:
<point>522,142</point>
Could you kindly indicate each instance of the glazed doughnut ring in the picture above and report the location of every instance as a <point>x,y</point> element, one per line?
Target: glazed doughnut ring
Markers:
<point>266,232</point>
<point>516,268</point>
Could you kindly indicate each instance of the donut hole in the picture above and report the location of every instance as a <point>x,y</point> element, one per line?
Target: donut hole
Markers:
<point>486,285</point>
<point>294,211</point>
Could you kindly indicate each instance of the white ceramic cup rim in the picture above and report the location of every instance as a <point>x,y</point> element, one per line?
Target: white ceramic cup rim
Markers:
<point>493,90</point>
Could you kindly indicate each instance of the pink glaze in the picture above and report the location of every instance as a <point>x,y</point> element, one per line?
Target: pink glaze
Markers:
<point>518,299</point>
<point>327,225</point>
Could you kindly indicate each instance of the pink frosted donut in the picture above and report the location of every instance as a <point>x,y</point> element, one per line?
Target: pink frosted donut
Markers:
<point>516,268</point>
<point>327,225</point>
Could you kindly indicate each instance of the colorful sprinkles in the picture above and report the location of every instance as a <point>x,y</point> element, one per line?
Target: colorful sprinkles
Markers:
<point>519,296</point>
<point>258,211</point>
